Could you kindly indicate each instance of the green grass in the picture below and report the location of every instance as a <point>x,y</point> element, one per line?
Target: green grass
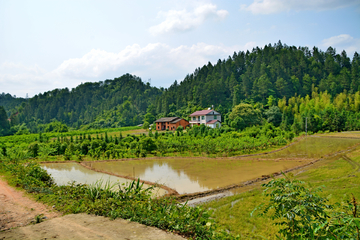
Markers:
<point>232,214</point>
<point>339,178</point>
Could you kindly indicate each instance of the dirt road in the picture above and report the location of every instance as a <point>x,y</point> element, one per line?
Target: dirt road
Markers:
<point>17,211</point>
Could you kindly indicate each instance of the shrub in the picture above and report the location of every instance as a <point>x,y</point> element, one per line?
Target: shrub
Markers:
<point>302,214</point>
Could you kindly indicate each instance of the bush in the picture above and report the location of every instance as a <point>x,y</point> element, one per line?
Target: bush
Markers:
<point>302,214</point>
<point>34,149</point>
<point>179,129</point>
<point>146,125</point>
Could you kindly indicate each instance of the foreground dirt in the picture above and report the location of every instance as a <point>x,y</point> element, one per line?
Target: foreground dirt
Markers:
<point>83,226</point>
<point>17,211</point>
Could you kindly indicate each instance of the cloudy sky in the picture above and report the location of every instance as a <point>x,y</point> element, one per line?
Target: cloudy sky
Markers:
<point>62,43</point>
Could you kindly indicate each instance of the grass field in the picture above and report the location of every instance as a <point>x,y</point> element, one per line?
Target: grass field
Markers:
<point>340,176</point>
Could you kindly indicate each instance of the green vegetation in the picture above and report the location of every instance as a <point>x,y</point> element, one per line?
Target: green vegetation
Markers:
<point>4,123</point>
<point>295,210</point>
<point>243,115</point>
<point>111,103</point>
<point>303,214</point>
<point>197,141</point>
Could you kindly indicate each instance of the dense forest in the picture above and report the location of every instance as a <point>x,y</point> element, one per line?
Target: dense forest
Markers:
<point>279,71</point>
<point>283,84</point>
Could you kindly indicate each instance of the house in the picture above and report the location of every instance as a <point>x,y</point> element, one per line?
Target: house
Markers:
<point>208,117</point>
<point>171,123</point>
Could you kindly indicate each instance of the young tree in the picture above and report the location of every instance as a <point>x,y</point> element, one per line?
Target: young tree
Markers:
<point>146,125</point>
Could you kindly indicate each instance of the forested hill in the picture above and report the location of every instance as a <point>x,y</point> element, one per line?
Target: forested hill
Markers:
<point>127,97</point>
<point>276,70</point>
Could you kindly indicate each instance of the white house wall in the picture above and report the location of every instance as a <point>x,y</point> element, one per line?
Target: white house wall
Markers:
<point>207,118</point>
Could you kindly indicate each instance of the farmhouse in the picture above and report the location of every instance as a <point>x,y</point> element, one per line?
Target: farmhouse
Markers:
<point>208,117</point>
<point>170,123</point>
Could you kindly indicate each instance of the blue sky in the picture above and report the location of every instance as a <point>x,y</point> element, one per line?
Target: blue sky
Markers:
<point>61,43</point>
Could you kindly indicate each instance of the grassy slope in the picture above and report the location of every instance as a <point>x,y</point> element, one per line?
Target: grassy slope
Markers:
<point>339,175</point>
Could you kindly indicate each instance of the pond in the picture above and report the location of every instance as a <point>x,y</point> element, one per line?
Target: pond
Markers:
<point>190,175</point>
<point>64,173</point>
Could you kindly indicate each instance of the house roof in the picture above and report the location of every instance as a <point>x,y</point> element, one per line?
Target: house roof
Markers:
<point>169,119</point>
<point>203,112</point>
<point>212,121</point>
<point>176,120</point>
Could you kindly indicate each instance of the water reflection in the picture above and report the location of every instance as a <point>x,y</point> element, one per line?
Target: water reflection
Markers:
<point>63,173</point>
<point>195,174</point>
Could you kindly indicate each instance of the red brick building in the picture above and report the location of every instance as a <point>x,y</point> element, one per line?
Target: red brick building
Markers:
<point>171,123</point>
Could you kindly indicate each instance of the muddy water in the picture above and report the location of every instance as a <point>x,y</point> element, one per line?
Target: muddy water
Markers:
<point>63,173</point>
<point>195,174</point>
<point>201,174</point>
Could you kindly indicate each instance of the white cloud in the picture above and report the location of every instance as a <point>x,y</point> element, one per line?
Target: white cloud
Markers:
<point>22,83</point>
<point>250,45</point>
<point>343,42</point>
<point>336,40</point>
<point>183,20</point>
<point>160,62</point>
<point>155,56</point>
<point>276,6</point>
<point>18,79</point>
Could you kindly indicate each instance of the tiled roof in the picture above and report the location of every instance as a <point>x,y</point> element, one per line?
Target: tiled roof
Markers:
<point>167,119</point>
<point>200,113</point>
<point>212,121</point>
<point>176,120</point>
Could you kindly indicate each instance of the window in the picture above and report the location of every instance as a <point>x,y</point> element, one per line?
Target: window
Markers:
<point>194,118</point>
<point>215,116</point>
<point>198,118</point>
<point>202,117</point>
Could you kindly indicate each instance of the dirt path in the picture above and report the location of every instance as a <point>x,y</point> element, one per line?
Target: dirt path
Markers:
<point>83,226</point>
<point>17,211</point>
